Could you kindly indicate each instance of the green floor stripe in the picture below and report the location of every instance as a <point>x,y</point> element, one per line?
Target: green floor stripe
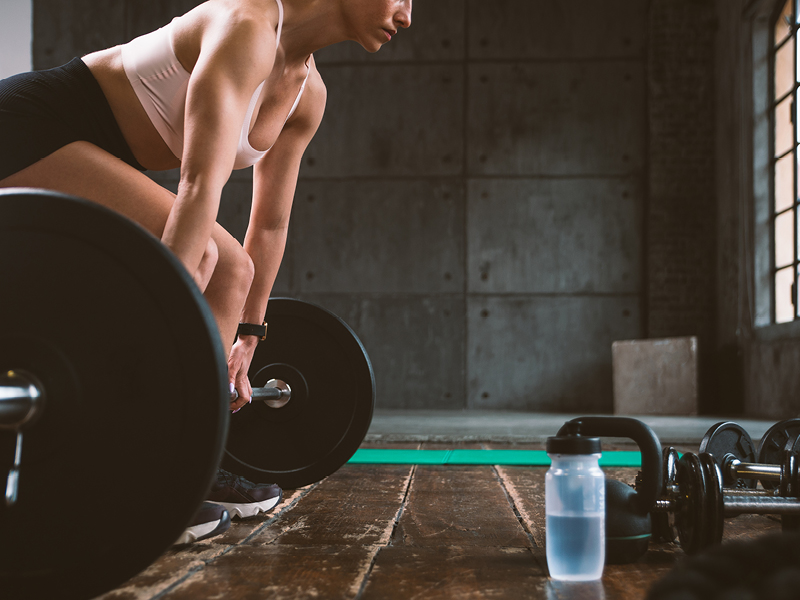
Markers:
<point>376,456</point>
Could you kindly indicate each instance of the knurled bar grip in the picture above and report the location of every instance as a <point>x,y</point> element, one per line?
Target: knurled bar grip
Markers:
<point>737,504</point>
<point>265,393</point>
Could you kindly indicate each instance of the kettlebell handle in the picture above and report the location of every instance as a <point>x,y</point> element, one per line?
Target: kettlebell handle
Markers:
<point>625,427</point>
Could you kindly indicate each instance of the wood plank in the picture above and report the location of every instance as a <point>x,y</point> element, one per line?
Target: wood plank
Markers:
<point>279,571</point>
<point>404,572</point>
<point>178,562</point>
<point>459,506</point>
<point>357,505</point>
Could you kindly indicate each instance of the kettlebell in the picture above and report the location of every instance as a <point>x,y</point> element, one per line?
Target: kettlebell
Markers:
<point>628,523</point>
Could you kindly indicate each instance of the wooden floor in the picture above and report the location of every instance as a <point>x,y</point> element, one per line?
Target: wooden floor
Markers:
<point>405,532</point>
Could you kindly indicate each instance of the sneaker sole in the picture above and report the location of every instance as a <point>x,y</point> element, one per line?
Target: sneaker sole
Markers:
<point>245,511</point>
<point>205,530</point>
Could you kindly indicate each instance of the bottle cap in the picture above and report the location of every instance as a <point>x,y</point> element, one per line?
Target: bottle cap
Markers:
<point>573,444</point>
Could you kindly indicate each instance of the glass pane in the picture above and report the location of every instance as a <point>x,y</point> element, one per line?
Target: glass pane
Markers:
<point>784,239</point>
<point>783,25</point>
<point>784,310</point>
<point>784,69</point>
<point>784,132</point>
<point>784,183</point>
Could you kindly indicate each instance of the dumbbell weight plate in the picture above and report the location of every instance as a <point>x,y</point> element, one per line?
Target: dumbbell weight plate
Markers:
<point>664,522</point>
<point>330,410</point>
<point>772,444</point>
<point>727,437</point>
<point>134,376</point>
<point>691,516</point>
<point>715,509</point>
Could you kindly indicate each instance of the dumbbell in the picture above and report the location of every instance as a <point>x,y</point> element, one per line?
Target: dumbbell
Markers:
<point>700,503</point>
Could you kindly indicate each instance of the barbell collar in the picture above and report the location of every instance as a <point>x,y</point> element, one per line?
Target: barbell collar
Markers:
<point>21,399</point>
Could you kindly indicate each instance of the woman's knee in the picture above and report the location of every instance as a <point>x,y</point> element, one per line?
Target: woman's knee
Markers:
<point>236,267</point>
<point>208,264</point>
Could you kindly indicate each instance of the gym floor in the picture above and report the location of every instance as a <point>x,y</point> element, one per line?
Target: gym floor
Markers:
<point>424,531</point>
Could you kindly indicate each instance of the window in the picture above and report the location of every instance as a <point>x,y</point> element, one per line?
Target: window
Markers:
<point>785,137</point>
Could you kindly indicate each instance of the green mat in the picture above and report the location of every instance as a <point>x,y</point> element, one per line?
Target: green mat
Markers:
<point>374,456</point>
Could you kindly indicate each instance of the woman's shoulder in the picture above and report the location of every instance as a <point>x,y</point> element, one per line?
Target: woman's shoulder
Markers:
<point>237,19</point>
<point>215,24</point>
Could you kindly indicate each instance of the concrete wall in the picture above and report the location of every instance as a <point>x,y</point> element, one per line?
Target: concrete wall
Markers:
<point>507,188</point>
<point>477,202</point>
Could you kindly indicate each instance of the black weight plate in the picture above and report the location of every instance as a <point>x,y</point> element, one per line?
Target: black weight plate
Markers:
<point>715,509</point>
<point>333,394</point>
<point>775,440</point>
<point>727,437</point>
<point>773,443</point>
<point>664,522</point>
<point>692,506</point>
<point>136,401</point>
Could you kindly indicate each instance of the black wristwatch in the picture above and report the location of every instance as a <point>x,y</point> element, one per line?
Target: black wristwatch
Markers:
<point>259,331</point>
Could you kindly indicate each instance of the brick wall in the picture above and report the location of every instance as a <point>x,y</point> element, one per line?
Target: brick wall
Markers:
<point>680,228</point>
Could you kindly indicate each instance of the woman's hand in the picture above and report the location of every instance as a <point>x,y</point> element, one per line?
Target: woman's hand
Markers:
<point>238,364</point>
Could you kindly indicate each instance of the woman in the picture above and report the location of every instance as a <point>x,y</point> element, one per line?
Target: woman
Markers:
<point>230,84</point>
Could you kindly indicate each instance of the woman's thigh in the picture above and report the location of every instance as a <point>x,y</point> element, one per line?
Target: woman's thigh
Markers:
<point>85,170</point>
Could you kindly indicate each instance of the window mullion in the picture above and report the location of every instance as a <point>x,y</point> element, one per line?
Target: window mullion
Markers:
<point>794,163</point>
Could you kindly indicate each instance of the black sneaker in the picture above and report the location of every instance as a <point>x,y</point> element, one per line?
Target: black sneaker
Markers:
<point>210,520</point>
<point>241,497</point>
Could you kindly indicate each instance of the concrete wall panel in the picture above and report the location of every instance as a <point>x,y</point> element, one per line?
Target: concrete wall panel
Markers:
<point>436,34</point>
<point>556,119</point>
<point>554,236</point>
<point>389,120</point>
<point>395,237</point>
<point>773,379</point>
<point>416,345</point>
<point>545,354</point>
<point>145,16</point>
<point>64,30</point>
<point>544,29</point>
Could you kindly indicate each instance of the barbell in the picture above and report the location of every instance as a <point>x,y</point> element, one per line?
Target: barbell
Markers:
<point>114,397</point>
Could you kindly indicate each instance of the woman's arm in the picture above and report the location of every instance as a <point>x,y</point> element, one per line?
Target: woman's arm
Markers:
<point>274,183</point>
<point>236,55</point>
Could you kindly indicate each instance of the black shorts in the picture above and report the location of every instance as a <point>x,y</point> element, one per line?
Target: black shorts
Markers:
<point>43,111</point>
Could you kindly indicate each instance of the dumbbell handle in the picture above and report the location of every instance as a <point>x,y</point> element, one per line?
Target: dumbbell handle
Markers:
<point>755,502</point>
<point>739,470</point>
<point>738,502</point>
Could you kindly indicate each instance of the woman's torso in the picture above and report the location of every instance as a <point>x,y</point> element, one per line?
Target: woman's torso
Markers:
<point>278,95</point>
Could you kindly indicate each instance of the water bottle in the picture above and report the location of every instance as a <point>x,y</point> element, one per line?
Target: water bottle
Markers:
<point>575,509</point>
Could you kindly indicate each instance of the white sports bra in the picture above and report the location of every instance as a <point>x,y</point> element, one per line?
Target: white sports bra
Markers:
<point>161,83</point>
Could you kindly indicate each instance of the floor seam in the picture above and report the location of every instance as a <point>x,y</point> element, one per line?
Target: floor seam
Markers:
<point>513,504</point>
<point>365,580</point>
<point>205,563</point>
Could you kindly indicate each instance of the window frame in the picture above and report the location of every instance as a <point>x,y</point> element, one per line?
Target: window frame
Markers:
<point>774,103</point>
